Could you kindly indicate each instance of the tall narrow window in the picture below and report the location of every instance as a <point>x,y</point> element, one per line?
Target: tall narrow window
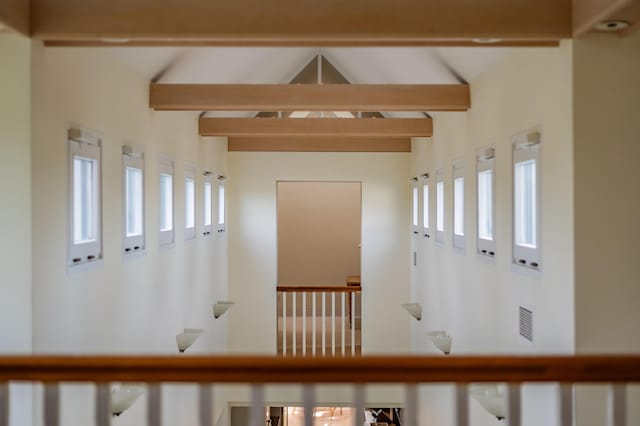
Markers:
<point>133,169</point>
<point>189,203</point>
<point>207,204</point>
<point>166,202</point>
<point>458,206</point>
<point>85,239</point>
<point>415,209</point>
<point>221,203</point>
<point>526,200</point>
<point>439,207</point>
<point>485,169</point>
<point>426,231</point>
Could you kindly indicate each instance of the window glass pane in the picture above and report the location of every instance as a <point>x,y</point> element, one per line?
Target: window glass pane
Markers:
<point>425,205</point>
<point>166,202</point>
<point>207,204</point>
<point>220,203</point>
<point>485,205</point>
<point>415,206</point>
<point>190,203</point>
<point>134,199</point>
<point>84,200</point>
<point>458,208</point>
<point>440,206</point>
<point>525,203</point>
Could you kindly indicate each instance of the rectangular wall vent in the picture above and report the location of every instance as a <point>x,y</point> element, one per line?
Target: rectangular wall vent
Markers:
<point>526,323</point>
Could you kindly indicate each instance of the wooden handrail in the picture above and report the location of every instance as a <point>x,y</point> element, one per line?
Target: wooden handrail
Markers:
<point>319,289</point>
<point>378,369</point>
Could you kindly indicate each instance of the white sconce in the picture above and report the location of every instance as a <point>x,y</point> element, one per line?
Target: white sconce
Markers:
<point>123,397</point>
<point>414,309</point>
<point>441,340</point>
<point>187,338</point>
<point>492,398</point>
<point>221,307</point>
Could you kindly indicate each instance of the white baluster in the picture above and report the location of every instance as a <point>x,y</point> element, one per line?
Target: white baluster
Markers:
<point>294,328</point>
<point>284,324</point>
<point>103,404</point>
<point>462,405</point>
<point>304,323</point>
<point>308,398</point>
<point>617,405</point>
<point>333,323</point>
<point>353,323</point>
<point>206,404</point>
<point>257,415</point>
<point>513,408</point>
<point>410,416</point>
<point>358,402</point>
<point>343,321</point>
<point>51,404</point>
<point>313,323</point>
<point>4,404</point>
<point>324,320</point>
<point>566,405</point>
<point>154,405</point>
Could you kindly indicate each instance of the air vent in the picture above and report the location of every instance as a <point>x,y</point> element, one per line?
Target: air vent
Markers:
<point>526,323</point>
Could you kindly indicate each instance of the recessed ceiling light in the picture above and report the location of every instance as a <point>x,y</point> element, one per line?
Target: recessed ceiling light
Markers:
<point>486,40</point>
<point>611,26</point>
<point>115,40</point>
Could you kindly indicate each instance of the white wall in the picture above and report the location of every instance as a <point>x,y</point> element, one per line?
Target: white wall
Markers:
<point>121,305</point>
<point>15,208</point>
<point>607,205</point>
<point>474,298</point>
<point>252,245</point>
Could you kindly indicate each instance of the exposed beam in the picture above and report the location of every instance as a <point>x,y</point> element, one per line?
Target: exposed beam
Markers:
<point>319,144</point>
<point>310,127</point>
<point>16,14</point>
<point>301,22</point>
<point>309,97</point>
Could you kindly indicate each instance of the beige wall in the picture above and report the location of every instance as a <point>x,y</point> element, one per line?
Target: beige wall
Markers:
<point>474,298</point>
<point>606,85</point>
<point>15,209</point>
<point>318,232</point>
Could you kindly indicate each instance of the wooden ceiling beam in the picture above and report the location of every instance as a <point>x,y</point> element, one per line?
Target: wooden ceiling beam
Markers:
<point>300,22</point>
<point>316,127</point>
<point>16,14</point>
<point>309,97</point>
<point>319,144</point>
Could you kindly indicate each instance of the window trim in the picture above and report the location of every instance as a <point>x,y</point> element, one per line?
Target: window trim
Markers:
<point>166,167</point>
<point>426,205</point>
<point>132,158</point>
<point>190,175</point>
<point>221,225</point>
<point>86,145</point>
<point>415,207</point>
<point>440,204</point>
<point>526,146</point>
<point>485,160</point>
<point>458,173</point>
<point>206,229</point>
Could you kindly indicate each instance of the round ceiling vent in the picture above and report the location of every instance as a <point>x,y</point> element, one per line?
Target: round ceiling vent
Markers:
<point>612,26</point>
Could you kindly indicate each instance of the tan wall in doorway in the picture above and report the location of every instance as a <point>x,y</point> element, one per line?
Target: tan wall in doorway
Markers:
<point>319,225</point>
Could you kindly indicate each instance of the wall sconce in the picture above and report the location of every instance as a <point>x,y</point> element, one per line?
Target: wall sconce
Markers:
<point>441,340</point>
<point>414,309</point>
<point>123,397</point>
<point>187,338</point>
<point>491,398</point>
<point>221,307</point>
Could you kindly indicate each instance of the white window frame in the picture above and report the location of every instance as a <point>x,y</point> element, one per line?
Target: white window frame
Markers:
<point>415,206</point>
<point>167,237</point>
<point>221,210</point>
<point>190,176</point>
<point>132,158</point>
<point>485,161</point>
<point>207,183</point>
<point>425,189</point>
<point>526,147</point>
<point>88,146</point>
<point>458,176</point>
<point>440,207</point>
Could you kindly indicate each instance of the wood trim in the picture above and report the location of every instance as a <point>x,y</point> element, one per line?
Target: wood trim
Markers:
<point>379,369</point>
<point>318,144</point>
<point>310,97</point>
<point>16,14</point>
<point>312,127</point>
<point>297,22</point>
<point>319,289</point>
<point>302,43</point>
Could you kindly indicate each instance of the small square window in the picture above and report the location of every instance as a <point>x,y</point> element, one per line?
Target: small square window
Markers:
<point>166,202</point>
<point>133,168</point>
